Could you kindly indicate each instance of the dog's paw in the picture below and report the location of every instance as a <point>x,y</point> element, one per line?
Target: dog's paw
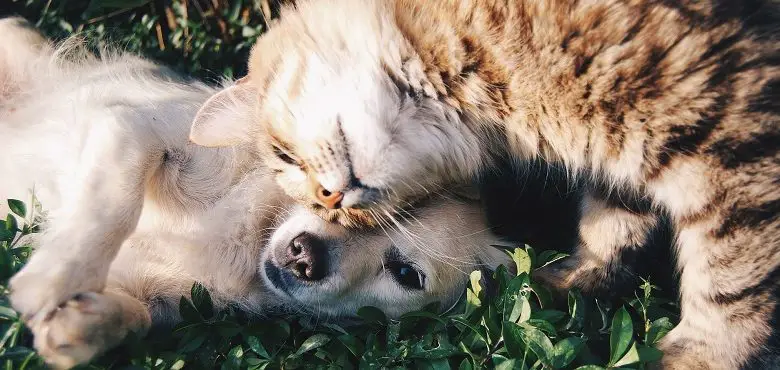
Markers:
<point>80,329</point>
<point>47,281</point>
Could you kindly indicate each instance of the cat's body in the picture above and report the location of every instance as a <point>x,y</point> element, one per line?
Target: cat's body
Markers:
<point>136,213</point>
<point>373,104</point>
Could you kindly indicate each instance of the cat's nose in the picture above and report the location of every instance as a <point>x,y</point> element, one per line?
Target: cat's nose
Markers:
<point>328,199</point>
<point>306,257</point>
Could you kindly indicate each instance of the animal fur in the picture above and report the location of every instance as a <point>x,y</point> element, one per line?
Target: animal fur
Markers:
<point>136,213</point>
<point>674,103</point>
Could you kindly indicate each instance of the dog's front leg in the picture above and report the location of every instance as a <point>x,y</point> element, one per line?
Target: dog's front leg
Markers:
<point>101,203</point>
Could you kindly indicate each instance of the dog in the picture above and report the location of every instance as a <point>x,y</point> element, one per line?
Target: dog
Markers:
<point>135,213</point>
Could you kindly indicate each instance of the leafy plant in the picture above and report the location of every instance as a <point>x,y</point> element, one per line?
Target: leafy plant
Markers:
<point>519,326</point>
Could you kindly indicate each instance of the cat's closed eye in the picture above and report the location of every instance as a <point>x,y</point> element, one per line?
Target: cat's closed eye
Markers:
<point>284,157</point>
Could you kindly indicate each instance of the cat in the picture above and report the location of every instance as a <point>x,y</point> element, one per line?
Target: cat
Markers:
<point>135,214</point>
<point>373,104</point>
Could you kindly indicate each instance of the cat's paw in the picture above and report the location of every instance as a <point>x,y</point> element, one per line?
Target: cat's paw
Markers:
<point>80,329</point>
<point>47,281</point>
<point>572,272</point>
<point>563,275</point>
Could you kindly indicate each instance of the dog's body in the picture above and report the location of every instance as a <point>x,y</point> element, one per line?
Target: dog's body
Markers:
<point>104,144</point>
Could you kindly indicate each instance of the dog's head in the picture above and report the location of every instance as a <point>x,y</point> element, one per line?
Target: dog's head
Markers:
<point>422,257</point>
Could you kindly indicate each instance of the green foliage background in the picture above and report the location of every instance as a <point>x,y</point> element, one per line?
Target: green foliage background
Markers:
<point>521,326</point>
<point>203,38</point>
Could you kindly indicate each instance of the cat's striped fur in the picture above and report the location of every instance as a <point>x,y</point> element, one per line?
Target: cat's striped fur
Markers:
<point>673,102</point>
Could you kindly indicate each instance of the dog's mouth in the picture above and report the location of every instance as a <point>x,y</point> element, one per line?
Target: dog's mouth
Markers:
<point>277,279</point>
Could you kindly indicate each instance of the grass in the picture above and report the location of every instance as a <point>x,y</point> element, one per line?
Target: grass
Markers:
<point>203,38</point>
<point>518,326</point>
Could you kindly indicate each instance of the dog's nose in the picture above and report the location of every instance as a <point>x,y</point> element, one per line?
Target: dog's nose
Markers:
<point>328,199</point>
<point>306,257</point>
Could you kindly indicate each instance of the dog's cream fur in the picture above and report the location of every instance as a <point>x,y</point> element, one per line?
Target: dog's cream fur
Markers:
<point>136,213</point>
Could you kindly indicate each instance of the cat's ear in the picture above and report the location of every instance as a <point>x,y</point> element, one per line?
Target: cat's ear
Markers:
<point>226,118</point>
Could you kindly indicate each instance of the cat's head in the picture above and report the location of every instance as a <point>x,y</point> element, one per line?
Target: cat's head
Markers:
<point>334,110</point>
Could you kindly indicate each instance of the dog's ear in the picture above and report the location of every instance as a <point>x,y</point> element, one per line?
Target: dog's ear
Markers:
<point>226,118</point>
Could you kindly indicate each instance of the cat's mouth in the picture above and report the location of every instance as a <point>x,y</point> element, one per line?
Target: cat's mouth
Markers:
<point>370,217</point>
<point>347,217</point>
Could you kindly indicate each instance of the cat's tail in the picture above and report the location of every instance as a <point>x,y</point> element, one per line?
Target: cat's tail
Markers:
<point>20,47</point>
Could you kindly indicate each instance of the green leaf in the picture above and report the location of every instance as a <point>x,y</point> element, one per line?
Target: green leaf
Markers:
<point>257,347</point>
<point>8,313</point>
<point>521,311</point>
<point>191,341</point>
<point>5,233</point>
<point>538,342</point>
<point>631,357</point>
<point>522,336</point>
<point>566,350</point>
<point>620,336</point>
<point>542,294</point>
<point>353,344</point>
<point>551,316</point>
<point>503,363</point>
<point>474,278</point>
<point>590,367</point>
<point>513,340</point>
<point>334,327</point>
<point>234,358</point>
<point>188,311</point>
<point>10,224</point>
<point>465,365</point>
<point>658,330</point>
<point>550,256</point>
<point>202,300</point>
<point>576,310</point>
<point>522,261</point>
<point>440,364</point>
<point>313,342</point>
<point>542,325</point>
<point>6,264</point>
<point>178,365</point>
<point>257,364</point>
<point>649,354</point>
<point>372,315</point>
<point>17,207</point>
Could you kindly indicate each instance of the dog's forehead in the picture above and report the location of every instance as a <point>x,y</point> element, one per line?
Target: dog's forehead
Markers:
<point>442,227</point>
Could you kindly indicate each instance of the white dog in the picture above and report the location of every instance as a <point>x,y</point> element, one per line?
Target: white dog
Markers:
<point>136,213</point>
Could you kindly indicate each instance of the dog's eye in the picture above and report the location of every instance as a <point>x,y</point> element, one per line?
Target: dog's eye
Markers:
<point>406,275</point>
<point>286,158</point>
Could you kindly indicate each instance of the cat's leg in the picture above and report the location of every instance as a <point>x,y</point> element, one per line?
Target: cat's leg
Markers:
<point>728,251</point>
<point>102,197</point>
<point>728,298</point>
<point>87,325</point>
<point>609,234</point>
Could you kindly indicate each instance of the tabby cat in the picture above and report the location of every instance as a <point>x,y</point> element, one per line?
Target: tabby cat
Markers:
<point>374,104</point>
